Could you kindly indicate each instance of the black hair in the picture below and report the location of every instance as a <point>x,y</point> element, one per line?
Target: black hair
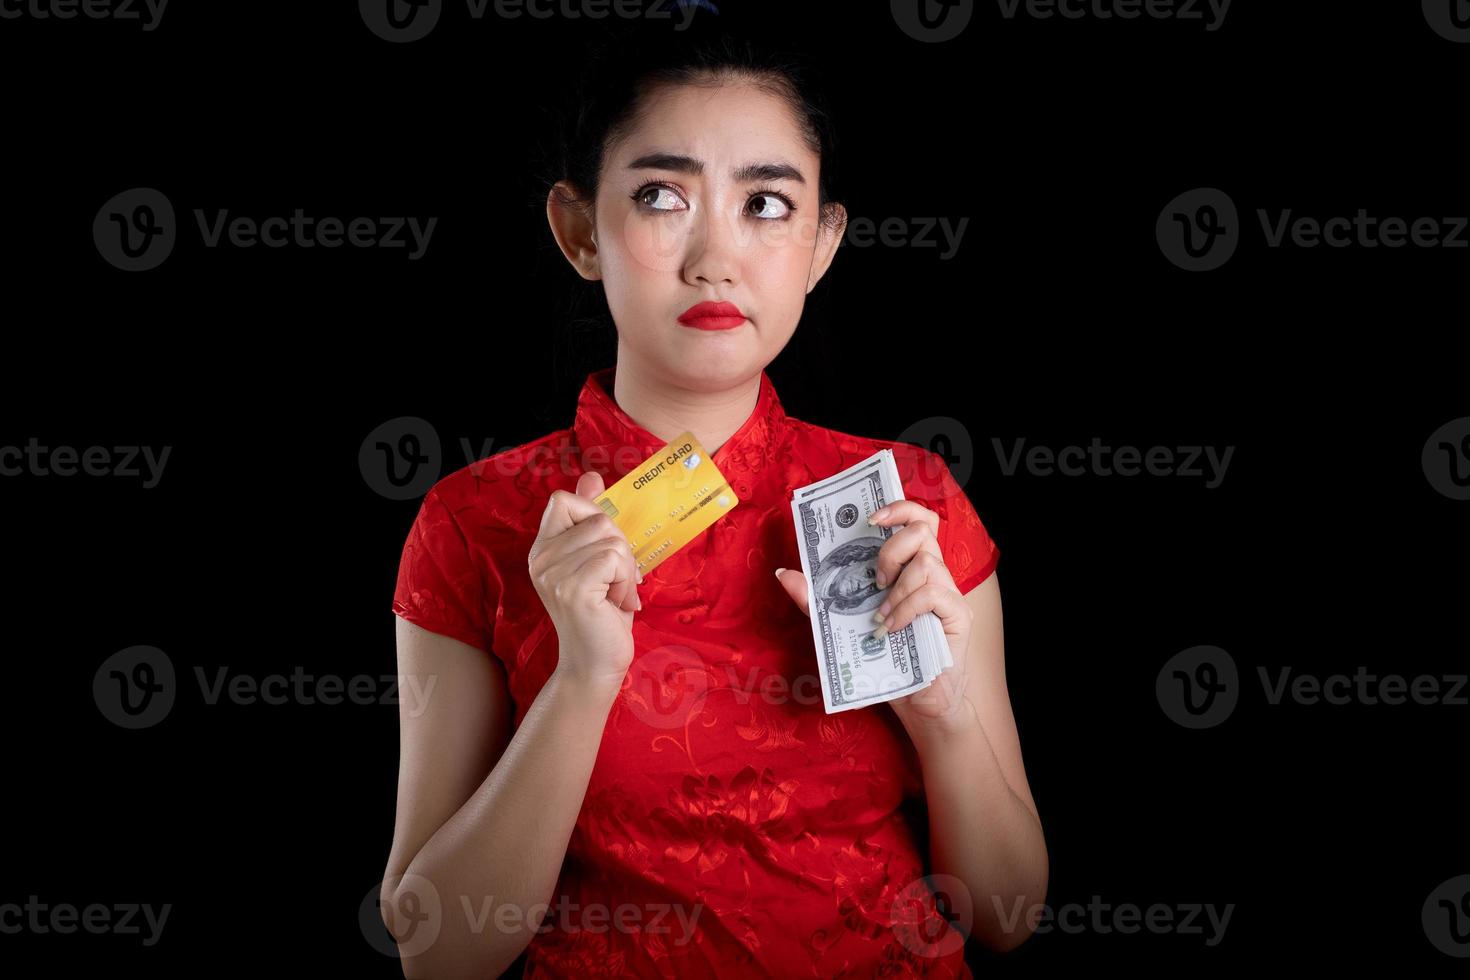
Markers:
<point>628,63</point>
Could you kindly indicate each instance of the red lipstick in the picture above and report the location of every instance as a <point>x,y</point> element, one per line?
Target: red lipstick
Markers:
<point>712,316</point>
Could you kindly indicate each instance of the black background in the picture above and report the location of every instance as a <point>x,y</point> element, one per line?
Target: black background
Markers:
<point>265,549</point>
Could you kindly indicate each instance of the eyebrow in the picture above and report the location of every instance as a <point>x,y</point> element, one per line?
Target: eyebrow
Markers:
<point>688,165</point>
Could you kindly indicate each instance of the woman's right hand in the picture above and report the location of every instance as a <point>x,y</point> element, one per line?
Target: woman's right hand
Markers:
<point>583,569</point>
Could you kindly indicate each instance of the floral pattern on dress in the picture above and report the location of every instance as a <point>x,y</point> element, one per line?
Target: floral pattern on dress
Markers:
<point>721,788</point>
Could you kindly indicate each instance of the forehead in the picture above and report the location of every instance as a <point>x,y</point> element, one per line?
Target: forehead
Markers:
<point>727,124</point>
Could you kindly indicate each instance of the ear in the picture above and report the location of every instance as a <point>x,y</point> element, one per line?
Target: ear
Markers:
<point>829,236</point>
<point>795,585</point>
<point>571,224</point>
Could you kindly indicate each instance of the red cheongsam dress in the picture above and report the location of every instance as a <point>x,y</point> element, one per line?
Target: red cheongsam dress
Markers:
<point>750,833</point>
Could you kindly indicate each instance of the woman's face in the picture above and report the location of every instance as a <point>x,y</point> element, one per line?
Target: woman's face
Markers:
<point>713,197</point>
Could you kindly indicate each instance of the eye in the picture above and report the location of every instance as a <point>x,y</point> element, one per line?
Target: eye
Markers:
<point>649,194</point>
<point>766,200</point>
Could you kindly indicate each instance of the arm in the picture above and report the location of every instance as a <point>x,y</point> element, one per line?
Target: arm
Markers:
<point>483,816</point>
<point>983,824</point>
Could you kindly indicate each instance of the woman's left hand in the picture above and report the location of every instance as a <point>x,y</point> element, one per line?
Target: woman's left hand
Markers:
<point>911,560</point>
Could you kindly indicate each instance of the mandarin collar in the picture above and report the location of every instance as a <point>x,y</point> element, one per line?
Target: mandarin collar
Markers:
<point>602,430</point>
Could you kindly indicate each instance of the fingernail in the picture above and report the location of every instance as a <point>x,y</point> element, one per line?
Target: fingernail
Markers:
<point>779,571</point>
<point>877,515</point>
<point>881,580</point>
<point>880,632</point>
<point>879,616</point>
<point>640,575</point>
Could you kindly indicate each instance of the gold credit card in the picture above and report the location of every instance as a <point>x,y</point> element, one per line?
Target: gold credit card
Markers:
<point>663,503</point>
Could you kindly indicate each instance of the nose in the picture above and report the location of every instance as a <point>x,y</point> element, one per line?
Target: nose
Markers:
<point>714,249</point>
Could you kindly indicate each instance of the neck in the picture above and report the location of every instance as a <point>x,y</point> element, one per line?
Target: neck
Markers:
<point>667,410</point>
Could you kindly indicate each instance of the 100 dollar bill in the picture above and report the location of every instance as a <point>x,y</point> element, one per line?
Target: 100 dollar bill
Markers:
<point>839,553</point>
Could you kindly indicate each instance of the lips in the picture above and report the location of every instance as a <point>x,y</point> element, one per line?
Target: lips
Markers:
<point>712,316</point>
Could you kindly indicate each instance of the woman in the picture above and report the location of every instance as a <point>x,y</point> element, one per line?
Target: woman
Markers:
<point>622,775</point>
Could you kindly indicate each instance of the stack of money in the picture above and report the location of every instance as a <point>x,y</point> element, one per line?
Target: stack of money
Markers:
<point>839,556</point>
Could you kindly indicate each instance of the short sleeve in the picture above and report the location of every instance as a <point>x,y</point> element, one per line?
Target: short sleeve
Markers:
<point>439,586</point>
<point>968,550</point>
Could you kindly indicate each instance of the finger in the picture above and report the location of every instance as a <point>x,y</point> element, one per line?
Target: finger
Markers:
<point>943,601</point>
<point>616,581</point>
<point>794,583</point>
<point>924,569</point>
<point>549,550</point>
<point>590,485</point>
<point>904,512</point>
<point>900,549</point>
<point>565,508</point>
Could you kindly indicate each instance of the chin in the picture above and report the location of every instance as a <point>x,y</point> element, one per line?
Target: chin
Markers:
<point>713,361</point>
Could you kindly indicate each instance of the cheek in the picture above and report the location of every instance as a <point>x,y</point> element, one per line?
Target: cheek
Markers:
<point>650,246</point>
<point>781,260</point>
